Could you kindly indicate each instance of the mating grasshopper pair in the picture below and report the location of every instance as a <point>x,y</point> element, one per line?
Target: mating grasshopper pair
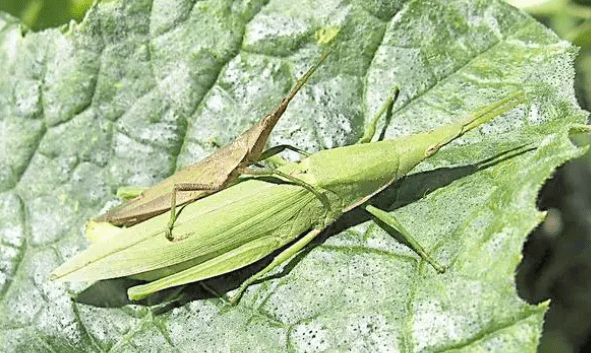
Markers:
<point>247,221</point>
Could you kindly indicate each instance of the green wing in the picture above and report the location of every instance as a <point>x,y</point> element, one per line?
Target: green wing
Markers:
<point>207,229</point>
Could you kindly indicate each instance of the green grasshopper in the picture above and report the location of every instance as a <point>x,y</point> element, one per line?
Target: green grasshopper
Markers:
<point>214,173</point>
<point>248,221</point>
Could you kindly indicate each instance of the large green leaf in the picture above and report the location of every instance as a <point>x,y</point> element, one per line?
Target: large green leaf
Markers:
<point>141,88</point>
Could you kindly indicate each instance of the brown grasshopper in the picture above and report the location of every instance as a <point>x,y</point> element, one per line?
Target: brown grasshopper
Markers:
<point>212,174</point>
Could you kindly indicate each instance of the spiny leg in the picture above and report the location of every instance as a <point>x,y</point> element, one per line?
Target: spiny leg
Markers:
<point>278,260</point>
<point>184,187</point>
<point>391,221</point>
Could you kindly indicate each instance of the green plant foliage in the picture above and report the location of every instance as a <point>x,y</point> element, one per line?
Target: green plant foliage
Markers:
<point>141,88</point>
<point>41,14</point>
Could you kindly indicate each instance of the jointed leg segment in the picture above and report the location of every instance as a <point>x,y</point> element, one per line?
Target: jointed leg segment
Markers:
<point>371,128</point>
<point>184,187</point>
<point>391,221</point>
<point>278,260</point>
<point>277,173</point>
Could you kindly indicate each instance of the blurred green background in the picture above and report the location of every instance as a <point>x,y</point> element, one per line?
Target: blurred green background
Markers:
<point>557,255</point>
<point>41,14</point>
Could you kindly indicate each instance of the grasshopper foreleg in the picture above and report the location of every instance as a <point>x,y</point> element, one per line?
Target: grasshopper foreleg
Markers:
<point>370,131</point>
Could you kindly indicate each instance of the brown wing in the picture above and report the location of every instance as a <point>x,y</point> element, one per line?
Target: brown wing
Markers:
<point>216,170</point>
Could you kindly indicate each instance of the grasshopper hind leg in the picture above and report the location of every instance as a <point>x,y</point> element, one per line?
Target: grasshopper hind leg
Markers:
<point>391,221</point>
<point>278,260</point>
